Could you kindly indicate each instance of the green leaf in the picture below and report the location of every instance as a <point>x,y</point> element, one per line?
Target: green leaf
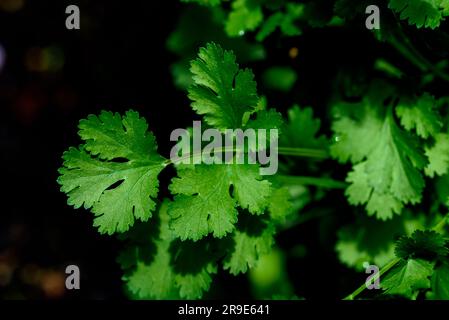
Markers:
<point>408,277</point>
<point>207,198</point>
<point>355,134</point>
<point>194,263</point>
<point>154,281</point>
<point>438,155</point>
<point>176,270</point>
<point>283,20</point>
<point>422,244</point>
<point>280,78</point>
<point>442,188</point>
<point>280,205</point>
<point>252,239</point>
<point>270,25</point>
<point>389,177</point>
<point>420,115</point>
<point>118,192</point>
<point>151,278</point>
<point>294,11</point>
<point>302,129</point>
<point>440,283</point>
<point>246,15</point>
<point>421,13</point>
<point>222,92</point>
<point>266,120</point>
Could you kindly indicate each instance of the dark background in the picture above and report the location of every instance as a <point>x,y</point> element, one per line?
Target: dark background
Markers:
<point>117,61</point>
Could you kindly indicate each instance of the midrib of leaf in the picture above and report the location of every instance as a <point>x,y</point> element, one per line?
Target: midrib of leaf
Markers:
<point>401,158</point>
<point>404,272</point>
<point>286,151</point>
<point>114,141</point>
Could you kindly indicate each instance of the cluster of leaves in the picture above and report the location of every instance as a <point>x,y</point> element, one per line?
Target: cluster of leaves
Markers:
<point>395,143</point>
<point>219,213</point>
<point>388,158</point>
<point>249,15</point>
<point>422,267</point>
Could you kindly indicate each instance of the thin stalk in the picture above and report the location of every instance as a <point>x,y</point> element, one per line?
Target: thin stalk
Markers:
<point>414,56</point>
<point>362,288</point>
<point>440,226</point>
<point>312,181</point>
<point>303,152</point>
<point>296,152</point>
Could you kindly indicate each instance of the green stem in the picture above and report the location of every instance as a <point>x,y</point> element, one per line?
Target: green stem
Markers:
<point>406,52</point>
<point>297,152</point>
<point>414,56</point>
<point>439,227</point>
<point>303,152</point>
<point>360,289</point>
<point>312,181</point>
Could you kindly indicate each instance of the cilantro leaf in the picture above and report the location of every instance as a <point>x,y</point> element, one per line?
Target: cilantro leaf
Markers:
<point>440,283</point>
<point>422,13</point>
<point>154,281</point>
<point>421,115</point>
<point>252,238</point>
<point>389,177</point>
<point>207,197</point>
<point>270,25</point>
<point>422,244</point>
<point>194,263</point>
<point>442,189</point>
<point>438,156</point>
<point>205,204</point>
<point>408,277</point>
<point>152,278</point>
<point>284,21</point>
<point>118,193</point>
<point>355,134</point>
<point>280,205</point>
<point>176,270</point>
<point>222,92</point>
<point>266,119</point>
<point>419,254</point>
<point>302,129</point>
<point>280,78</point>
<point>245,15</point>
